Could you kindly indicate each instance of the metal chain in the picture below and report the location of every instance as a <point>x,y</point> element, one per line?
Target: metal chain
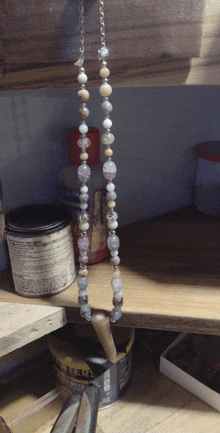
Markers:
<point>80,60</point>
<point>102,22</point>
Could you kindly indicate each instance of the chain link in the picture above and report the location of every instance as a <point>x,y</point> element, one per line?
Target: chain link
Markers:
<point>102,22</point>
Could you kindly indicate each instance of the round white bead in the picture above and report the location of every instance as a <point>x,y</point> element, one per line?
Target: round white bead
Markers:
<point>84,189</point>
<point>105,90</point>
<point>83,128</point>
<point>82,78</point>
<point>112,225</point>
<point>84,226</point>
<point>83,205</point>
<point>110,186</point>
<point>114,253</point>
<point>107,123</point>
<point>111,204</point>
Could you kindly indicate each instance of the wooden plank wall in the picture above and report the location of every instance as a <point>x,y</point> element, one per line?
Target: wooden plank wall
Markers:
<point>152,42</point>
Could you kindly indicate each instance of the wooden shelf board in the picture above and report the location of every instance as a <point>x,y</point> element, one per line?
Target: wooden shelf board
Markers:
<point>23,323</point>
<point>171,277</point>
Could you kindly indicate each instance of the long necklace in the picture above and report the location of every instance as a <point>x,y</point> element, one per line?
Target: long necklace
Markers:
<point>109,172</point>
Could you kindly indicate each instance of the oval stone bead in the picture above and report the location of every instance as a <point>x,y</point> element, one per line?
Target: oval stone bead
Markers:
<point>82,283</point>
<point>83,243</point>
<point>113,242</point>
<point>116,283</point>
<point>109,170</point>
<point>84,172</point>
<point>84,197</point>
<point>85,312</point>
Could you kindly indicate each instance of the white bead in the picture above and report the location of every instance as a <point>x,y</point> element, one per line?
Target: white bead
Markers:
<point>82,78</point>
<point>83,205</point>
<point>112,225</point>
<point>107,123</point>
<point>84,189</point>
<point>114,253</point>
<point>84,226</point>
<point>84,156</point>
<point>110,186</point>
<point>83,128</point>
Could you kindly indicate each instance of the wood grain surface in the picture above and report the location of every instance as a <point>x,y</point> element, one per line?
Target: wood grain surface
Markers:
<point>23,323</point>
<point>171,276</point>
<point>171,45</point>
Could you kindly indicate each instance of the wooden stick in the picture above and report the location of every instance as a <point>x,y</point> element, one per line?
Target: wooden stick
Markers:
<point>101,324</point>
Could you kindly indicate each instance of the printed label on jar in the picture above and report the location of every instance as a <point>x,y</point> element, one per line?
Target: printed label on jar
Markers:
<point>42,265</point>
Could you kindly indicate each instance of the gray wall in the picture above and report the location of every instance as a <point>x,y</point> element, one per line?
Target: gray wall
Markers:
<point>155,129</point>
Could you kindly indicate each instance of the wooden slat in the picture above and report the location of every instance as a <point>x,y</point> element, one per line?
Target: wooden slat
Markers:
<point>170,272</point>
<point>23,323</point>
<point>153,54</point>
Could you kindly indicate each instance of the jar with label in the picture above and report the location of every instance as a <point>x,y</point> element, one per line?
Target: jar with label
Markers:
<point>69,190</point>
<point>41,249</point>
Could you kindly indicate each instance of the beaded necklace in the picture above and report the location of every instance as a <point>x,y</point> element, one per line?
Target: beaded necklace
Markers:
<point>109,172</point>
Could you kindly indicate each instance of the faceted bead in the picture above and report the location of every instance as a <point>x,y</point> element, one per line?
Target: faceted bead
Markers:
<point>105,89</point>
<point>103,52</point>
<point>85,312</point>
<point>111,195</point>
<point>84,272</point>
<point>83,243</point>
<point>116,283</point>
<point>82,283</point>
<point>83,300</point>
<point>84,226</point>
<point>112,225</point>
<point>109,170</point>
<point>117,302</point>
<point>107,138</point>
<point>104,72</point>
<point>83,206</point>
<point>84,198</point>
<point>84,189</point>
<point>113,242</point>
<point>112,216</point>
<point>107,123</point>
<point>106,107</point>
<point>83,128</point>
<point>84,172</point>
<point>83,95</point>
<point>114,253</point>
<point>84,260</point>
<point>82,78</point>
<point>116,314</point>
<point>115,261</point>
<point>84,143</point>
<point>83,112</point>
<point>108,152</point>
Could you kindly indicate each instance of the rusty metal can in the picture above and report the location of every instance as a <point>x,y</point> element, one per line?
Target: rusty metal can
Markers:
<point>41,250</point>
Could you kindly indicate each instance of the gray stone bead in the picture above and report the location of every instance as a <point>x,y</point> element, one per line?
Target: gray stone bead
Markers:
<point>83,301</point>
<point>111,195</point>
<point>82,283</point>
<point>106,107</point>
<point>85,312</point>
<point>113,242</point>
<point>116,314</point>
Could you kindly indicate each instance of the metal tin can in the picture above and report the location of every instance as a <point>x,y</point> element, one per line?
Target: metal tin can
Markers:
<point>79,359</point>
<point>41,250</point>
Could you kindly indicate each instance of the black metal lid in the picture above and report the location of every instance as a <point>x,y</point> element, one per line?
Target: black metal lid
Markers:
<point>36,220</point>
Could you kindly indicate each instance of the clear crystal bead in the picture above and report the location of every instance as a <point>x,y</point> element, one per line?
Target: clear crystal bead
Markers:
<point>107,138</point>
<point>84,172</point>
<point>84,143</point>
<point>116,283</point>
<point>116,314</point>
<point>109,170</point>
<point>113,242</point>
<point>82,283</point>
<point>103,52</point>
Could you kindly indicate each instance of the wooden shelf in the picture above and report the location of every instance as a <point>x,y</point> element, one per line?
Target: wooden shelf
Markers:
<point>170,270</point>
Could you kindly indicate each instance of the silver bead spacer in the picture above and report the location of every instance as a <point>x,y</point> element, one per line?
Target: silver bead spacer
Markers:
<point>105,80</point>
<point>83,234</point>
<point>104,63</point>
<point>82,86</point>
<point>112,232</point>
